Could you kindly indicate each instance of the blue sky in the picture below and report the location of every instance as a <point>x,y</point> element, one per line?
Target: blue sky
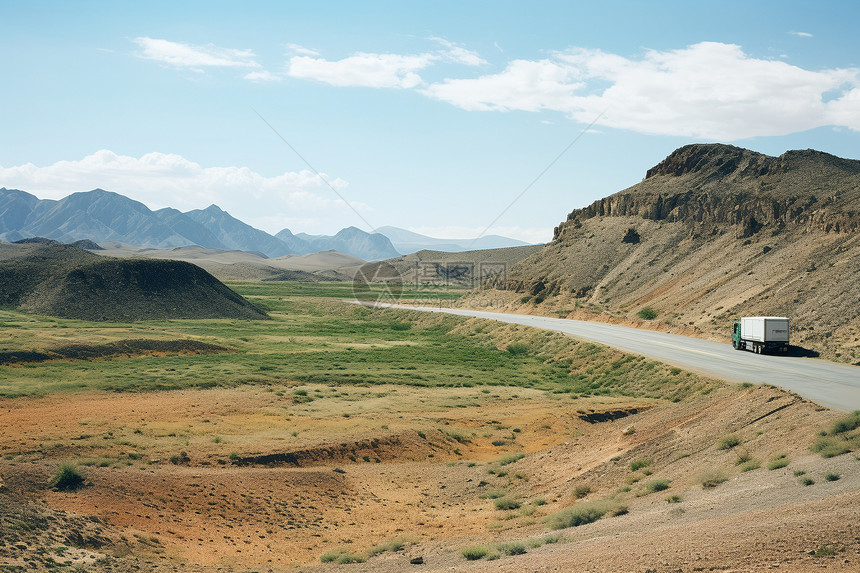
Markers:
<point>433,116</point>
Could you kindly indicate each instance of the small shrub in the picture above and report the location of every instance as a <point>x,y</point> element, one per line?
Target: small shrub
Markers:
<point>495,494</point>
<point>513,548</point>
<point>618,510</point>
<point>832,477</point>
<point>831,446</point>
<point>647,313</point>
<point>509,459</point>
<point>852,422</point>
<point>712,478</point>
<point>67,478</point>
<point>507,504</point>
<point>393,546</point>
<point>743,457</point>
<point>778,461</point>
<point>638,464</point>
<point>541,501</point>
<point>728,442</point>
<point>476,552</point>
<point>674,498</point>
<point>579,514</point>
<point>329,557</point>
<point>422,435</point>
<point>824,551</point>
<point>654,486</point>
<point>517,349</point>
<point>750,465</point>
<point>807,481</point>
<point>498,443</point>
<point>581,491</point>
<point>798,473</point>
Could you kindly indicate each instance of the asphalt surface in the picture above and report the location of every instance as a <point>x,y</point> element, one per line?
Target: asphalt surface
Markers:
<point>827,383</point>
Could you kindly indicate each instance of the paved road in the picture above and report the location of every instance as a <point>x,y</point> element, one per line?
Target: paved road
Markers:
<point>829,384</point>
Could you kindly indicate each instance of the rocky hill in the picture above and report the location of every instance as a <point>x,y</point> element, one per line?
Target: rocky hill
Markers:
<point>65,281</point>
<point>712,233</point>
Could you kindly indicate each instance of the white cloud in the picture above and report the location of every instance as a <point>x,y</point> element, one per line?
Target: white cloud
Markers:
<point>523,85</point>
<point>262,76</point>
<point>802,34</point>
<point>363,69</point>
<point>373,70</point>
<point>168,180</point>
<point>708,90</point>
<point>296,49</point>
<point>180,55</point>
<point>458,54</point>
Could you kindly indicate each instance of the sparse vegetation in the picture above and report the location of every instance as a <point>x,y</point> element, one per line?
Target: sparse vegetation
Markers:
<point>581,491</point>
<point>67,478</point>
<point>654,486</point>
<point>507,504</point>
<point>647,313</point>
<point>778,461</point>
<point>750,465</point>
<point>841,439</point>
<point>476,552</point>
<point>582,513</point>
<point>639,464</point>
<point>830,476</point>
<point>509,459</point>
<point>712,478</point>
<point>728,442</point>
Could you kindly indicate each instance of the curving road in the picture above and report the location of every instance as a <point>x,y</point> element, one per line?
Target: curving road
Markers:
<point>827,383</point>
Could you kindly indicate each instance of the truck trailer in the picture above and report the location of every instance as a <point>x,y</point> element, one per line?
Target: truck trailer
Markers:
<point>761,334</point>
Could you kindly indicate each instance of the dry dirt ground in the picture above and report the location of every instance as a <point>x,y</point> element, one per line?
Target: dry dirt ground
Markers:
<point>255,479</point>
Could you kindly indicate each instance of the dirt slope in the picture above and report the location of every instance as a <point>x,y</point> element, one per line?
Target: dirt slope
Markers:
<point>205,510</point>
<point>712,233</point>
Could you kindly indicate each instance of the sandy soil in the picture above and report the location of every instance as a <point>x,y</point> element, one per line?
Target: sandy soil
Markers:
<point>207,511</point>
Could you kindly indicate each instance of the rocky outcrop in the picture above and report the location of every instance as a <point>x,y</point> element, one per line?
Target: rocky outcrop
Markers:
<point>722,185</point>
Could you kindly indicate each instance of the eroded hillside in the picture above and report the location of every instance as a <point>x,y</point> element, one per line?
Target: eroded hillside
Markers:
<point>712,233</point>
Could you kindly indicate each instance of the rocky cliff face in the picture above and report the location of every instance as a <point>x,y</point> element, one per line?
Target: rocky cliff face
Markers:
<point>712,233</point>
<point>721,185</point>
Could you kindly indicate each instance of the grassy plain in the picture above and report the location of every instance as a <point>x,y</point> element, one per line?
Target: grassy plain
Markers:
<point>316,338</point>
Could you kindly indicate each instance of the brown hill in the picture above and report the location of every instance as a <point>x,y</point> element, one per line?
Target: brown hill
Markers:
<point>712,233</point>
<point>66,281</point>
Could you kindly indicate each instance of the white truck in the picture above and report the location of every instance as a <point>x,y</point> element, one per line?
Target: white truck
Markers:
<point>761,334</point>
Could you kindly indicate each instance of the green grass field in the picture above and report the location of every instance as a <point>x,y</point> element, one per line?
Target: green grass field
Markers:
<point>317,337</point>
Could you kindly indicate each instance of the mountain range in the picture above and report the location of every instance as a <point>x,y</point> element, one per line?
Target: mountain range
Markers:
<point>100,215</point>
<point>408,242</point>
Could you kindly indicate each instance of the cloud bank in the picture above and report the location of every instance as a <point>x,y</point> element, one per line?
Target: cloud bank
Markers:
<point>168,180</point>
<point>707,90</point>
